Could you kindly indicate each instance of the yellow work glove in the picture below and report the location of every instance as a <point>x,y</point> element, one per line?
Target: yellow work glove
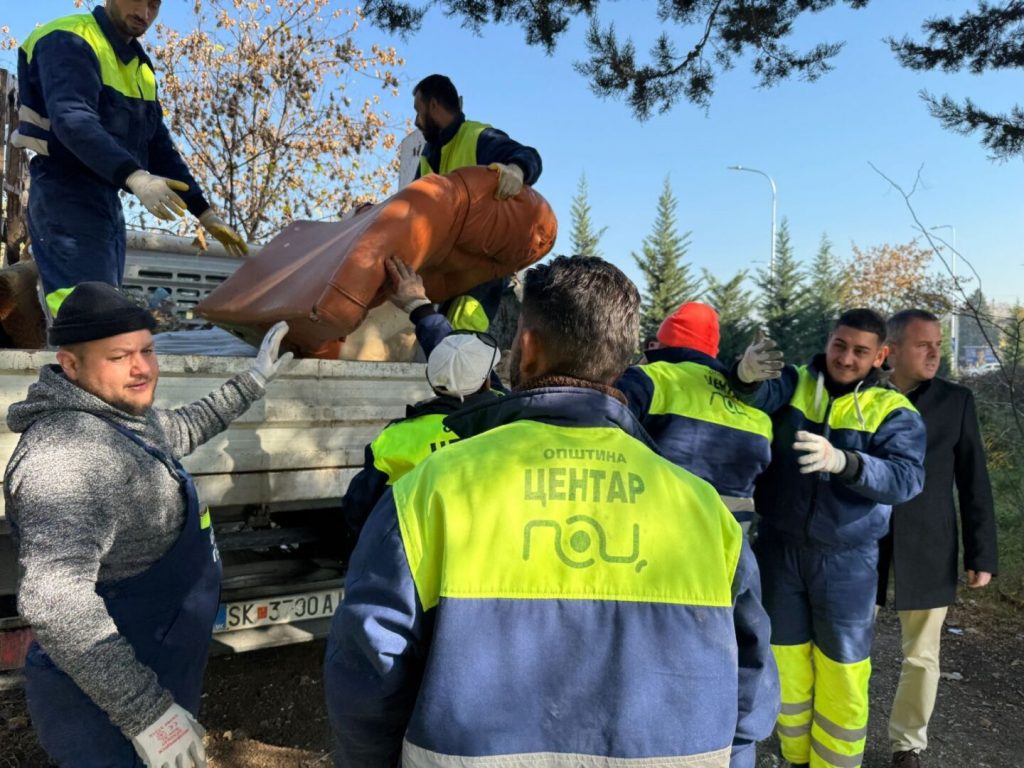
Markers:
<point>510,180</point>
<point>157,194</point>
<point>231,240</point>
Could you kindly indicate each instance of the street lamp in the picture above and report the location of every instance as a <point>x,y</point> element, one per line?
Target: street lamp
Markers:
<point>954,320</point>
<point>771,264</point>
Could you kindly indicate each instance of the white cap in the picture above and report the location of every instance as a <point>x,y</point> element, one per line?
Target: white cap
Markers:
<point>460,364</point>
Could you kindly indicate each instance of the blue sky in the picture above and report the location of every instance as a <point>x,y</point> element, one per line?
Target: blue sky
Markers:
<point>814,139</point>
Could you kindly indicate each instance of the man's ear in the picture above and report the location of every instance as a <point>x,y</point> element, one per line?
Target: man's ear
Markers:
<point>531,359</point>
<point>68,363</point>
<point>883,353</point>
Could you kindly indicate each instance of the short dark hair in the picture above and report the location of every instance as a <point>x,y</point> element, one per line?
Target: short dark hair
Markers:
<point>587,313</point>
<point>441,88</point>
<point>897,324</point>
<point>863,319</point>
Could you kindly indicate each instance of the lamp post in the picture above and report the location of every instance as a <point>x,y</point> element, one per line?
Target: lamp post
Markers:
<point>771,263</point>
<point>954,320</point>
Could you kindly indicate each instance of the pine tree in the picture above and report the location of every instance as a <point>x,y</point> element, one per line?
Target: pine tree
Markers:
<point>694,42</point>
<point>667,278</point>
<point>980,40</point>
<point>825,299</point>
<point>736,314</point>
<point>584,237</point>
<point>783,298</point>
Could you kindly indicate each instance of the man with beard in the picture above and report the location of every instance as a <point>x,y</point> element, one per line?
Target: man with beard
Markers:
<point>549,590</point>
<point>454,142</point>
<point>88,108</point>
<point>922,546</point>
<point>119,571</point>
<point>845,448</point>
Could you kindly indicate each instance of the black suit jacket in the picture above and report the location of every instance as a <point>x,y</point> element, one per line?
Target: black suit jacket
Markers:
<point>922,544</point>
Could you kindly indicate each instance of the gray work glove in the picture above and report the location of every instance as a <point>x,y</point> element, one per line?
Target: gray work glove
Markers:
<point>408,294</point>
<point>762,360</point>
<point>268,364</point>
<point>157,194</point>
<point>510,180</point>
<point>174,740</point>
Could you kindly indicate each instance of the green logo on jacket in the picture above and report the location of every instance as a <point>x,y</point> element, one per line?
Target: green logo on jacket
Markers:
<point>581,543</point>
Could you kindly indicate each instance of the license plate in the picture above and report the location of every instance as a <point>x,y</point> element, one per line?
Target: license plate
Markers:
<point>276,610</point>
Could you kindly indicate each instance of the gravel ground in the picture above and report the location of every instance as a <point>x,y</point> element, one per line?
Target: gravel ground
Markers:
<point>265,709</point>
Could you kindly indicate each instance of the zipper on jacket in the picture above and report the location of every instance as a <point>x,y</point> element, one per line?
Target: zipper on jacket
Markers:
<point>813,503</point>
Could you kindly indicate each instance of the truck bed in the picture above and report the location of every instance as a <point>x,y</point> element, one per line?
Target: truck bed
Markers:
<point>300,444</point>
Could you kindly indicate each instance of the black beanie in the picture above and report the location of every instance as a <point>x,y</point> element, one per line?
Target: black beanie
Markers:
<point>96,311</point>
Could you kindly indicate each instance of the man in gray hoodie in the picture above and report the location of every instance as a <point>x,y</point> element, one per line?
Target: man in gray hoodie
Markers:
<point>119,571</point>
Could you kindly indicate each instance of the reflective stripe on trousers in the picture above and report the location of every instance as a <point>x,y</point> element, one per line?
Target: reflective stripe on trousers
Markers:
<point>824,716</point>
<point>418,757</point>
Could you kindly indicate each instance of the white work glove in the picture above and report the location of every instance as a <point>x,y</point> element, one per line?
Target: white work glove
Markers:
<point>409,294</point>
<point>228,237</point>
<point>820,456</point>
<point>268,364</point>
<point>157,194</point>
<point>510,180</point>
<point>175,740</point>
<point>762,360</point>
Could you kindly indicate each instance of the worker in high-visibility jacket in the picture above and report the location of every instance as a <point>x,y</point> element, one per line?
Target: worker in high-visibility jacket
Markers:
<point>454,142</point>
<point>89,110</point>
<point>549,590</point>
<point>458,371</point>
<point>846,448</point>
<point>682,397</point>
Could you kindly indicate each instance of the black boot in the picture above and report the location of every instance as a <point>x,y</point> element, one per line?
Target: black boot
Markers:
<point>908,759</point>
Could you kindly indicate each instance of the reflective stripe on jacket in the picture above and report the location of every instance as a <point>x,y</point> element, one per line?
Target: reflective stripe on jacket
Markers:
<point>525,594</point>
<point>684,400</point>
<point>875,422</point>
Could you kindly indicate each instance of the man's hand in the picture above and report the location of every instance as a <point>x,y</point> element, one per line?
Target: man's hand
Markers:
<point>408,294</point>
<point>157,194</point>
<point>978,579</point>
<point>820,456</point>
<point>268,364</point>
<point>761,361</point>
<point>174,740</point>
<point>510,180</point>
<point>229,238</point>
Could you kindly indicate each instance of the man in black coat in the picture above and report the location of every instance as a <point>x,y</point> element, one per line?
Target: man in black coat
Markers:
<point>922,544</point>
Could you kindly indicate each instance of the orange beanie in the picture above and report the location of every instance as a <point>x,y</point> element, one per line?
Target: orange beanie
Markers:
<point>693,325</point>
